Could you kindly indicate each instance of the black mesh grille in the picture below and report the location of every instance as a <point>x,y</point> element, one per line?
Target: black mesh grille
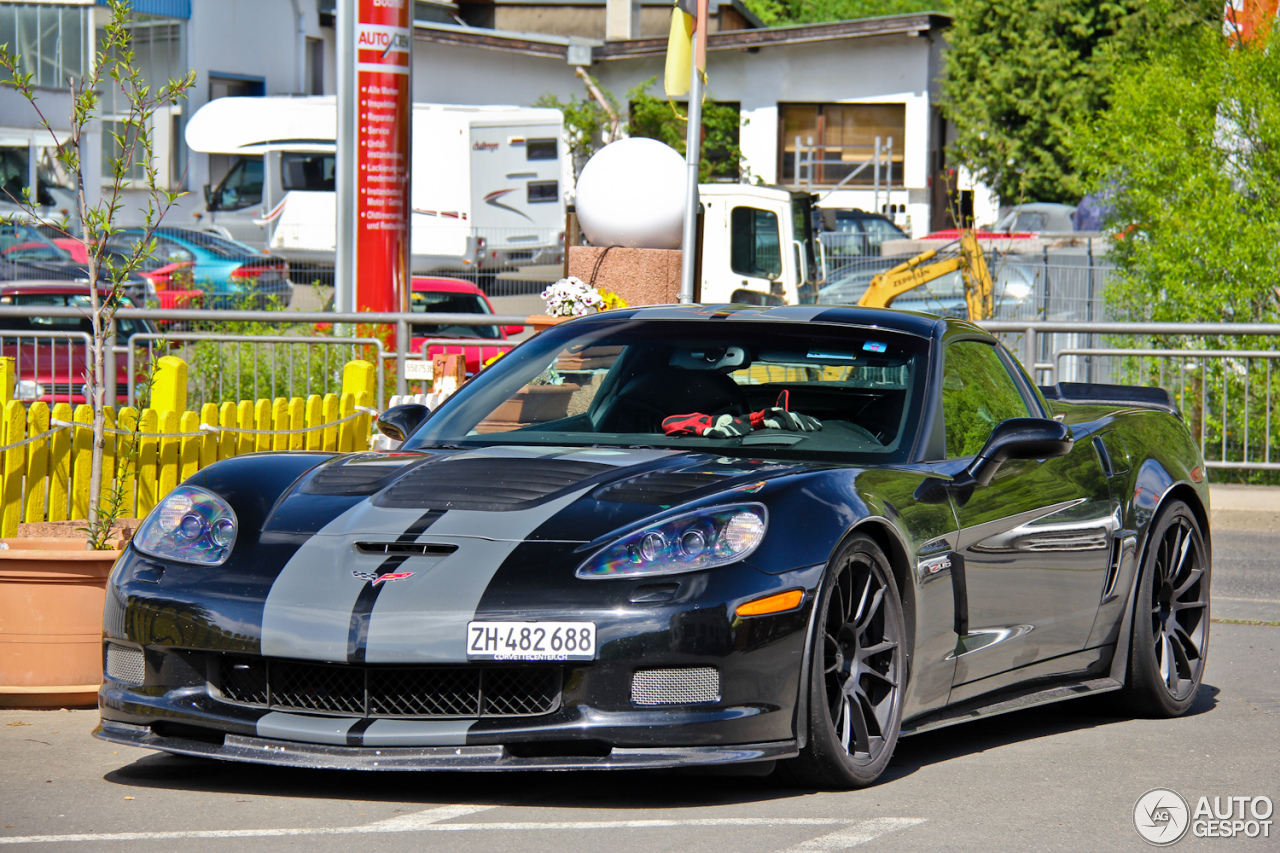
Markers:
<point>657,487</point>
<point>466,692</point>
<point>487,484</point>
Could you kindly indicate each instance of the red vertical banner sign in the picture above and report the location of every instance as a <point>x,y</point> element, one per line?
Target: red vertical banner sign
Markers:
<point>384,40</point>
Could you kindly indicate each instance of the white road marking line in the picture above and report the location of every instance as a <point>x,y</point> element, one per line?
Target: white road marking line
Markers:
<point>858,833</point>
<point>418,820</point>
<point>1249,600</point>
<point>421,825</point>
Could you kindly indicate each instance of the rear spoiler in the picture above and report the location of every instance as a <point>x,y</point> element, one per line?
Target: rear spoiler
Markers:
<point>1090,393</point>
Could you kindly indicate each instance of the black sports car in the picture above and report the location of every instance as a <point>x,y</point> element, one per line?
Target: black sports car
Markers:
<point>675,536</point>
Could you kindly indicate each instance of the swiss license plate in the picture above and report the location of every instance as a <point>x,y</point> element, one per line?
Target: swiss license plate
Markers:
<point>531,640</point>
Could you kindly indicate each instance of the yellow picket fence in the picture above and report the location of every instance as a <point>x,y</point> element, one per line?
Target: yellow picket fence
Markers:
<point>46,452</point>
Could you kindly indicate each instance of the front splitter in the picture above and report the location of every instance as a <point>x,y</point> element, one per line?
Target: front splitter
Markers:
<point>319,756</point>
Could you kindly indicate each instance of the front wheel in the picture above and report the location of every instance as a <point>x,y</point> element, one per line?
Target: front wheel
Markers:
<point>1171,618</point>
<point>858,673</point>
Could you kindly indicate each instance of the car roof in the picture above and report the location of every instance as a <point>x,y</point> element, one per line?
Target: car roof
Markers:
<point>910,322</point>
<point>49,286</point>
<point>444,285</point>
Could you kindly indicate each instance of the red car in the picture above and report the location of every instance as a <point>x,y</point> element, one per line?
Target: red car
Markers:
<point>174,282</point>
<point>52,369</point>
<point>454,296</point>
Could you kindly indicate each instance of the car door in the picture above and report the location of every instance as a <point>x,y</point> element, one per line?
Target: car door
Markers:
<point>1036,541</point>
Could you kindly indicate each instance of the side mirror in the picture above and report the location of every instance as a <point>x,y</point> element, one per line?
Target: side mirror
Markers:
<point>399,422</point>
<point>208,198</point>
<point>512,330</point>
<point>1019,438</point>
<point>1015,438</point>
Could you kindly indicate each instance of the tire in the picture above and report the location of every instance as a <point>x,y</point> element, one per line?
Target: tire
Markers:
<point>858,673</point>
<point>1170,636</point>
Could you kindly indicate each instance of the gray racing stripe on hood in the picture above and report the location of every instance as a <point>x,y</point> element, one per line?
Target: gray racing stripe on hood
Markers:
<point>329,730</point>
<point>307,614</point>
<point>424,618</point>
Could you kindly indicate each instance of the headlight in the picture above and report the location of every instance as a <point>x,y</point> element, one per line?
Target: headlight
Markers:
<point>190,525</point>
<point>687,543</point>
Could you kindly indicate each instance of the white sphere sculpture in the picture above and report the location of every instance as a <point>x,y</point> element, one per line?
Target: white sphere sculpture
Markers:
<point>631,194</point>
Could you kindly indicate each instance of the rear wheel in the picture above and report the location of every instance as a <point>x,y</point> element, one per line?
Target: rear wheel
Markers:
<point>858,673</point>
<point>1171,618</point>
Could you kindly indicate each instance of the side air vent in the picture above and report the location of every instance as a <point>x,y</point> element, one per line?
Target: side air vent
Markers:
<point>126,664</point>
<point>491,484</point>
<point>406,549</point>
<point>657,487</point>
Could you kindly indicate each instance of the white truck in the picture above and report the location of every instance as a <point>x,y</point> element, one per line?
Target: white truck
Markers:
<point>758,245</point>
<point>486,182</point>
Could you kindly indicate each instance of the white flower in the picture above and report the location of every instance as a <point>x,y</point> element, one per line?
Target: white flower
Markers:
<point>572,297</point>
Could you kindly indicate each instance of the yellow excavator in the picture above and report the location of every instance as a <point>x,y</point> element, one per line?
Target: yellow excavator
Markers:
<point>968,259</point>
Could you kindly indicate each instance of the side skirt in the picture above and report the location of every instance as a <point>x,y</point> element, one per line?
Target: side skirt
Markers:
<point>1010,701</point>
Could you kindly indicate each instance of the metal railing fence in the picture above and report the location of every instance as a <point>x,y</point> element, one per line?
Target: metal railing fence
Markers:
<point>1224,377</point>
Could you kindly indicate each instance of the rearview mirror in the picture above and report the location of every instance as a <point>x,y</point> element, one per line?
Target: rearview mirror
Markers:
<point>399,422</point>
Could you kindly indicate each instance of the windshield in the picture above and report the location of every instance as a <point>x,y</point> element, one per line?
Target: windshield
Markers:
<point>124,328</point>
<point>786,389</point>
<point>427,302</point>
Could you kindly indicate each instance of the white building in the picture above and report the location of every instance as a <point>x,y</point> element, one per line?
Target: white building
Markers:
<point>834,87</point>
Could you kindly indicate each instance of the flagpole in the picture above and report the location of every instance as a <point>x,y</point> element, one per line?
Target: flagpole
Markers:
<point>692,157</point>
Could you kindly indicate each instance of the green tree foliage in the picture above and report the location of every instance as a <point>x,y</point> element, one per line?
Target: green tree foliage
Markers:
<point>1020,76</point>
<point>587,124</point>
<point>1190,154</point>
<point>780,13</point>
<point>657,118</point>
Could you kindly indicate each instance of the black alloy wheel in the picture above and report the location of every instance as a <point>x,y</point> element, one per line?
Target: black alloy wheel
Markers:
<point>858,674</point>
<point>1171,618</point>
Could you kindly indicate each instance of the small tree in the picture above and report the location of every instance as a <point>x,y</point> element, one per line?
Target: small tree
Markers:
<point>114,66</point>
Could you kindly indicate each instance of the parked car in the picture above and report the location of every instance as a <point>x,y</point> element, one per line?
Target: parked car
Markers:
<point>455,296</point>
<point>51,364</point>
<point>26,254</point>
<point>1037,217</point>
<point>173,283</point>
<point>739,535</point>
<point>854,232</point>
<point>229,273</point>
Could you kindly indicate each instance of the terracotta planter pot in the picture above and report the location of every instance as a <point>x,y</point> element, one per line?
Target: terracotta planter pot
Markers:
<point>51,597</point>
<point>542,322</point>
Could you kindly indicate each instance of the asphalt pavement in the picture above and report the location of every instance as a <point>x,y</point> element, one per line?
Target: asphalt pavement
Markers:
<point>1061,777</point>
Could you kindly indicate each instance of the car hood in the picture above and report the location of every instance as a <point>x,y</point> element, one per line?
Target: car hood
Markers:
<point>505,493</point>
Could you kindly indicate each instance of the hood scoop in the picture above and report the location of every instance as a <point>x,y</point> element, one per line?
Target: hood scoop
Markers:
<point>353,476</point>
<point>488,484</point>
<point>657,487</point>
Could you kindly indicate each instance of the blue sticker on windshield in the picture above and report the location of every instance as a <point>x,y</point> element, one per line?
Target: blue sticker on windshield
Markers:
<point>872,346</point>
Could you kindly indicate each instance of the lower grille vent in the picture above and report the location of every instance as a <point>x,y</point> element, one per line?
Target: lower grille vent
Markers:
<point>452,692</point>
<point>690,685</point>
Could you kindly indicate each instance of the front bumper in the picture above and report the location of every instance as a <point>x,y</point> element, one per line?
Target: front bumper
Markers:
<point>269,751</point>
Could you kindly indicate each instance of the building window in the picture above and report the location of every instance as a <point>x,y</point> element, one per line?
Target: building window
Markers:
<point>50,39</point>
<point>315,66</point>
<point>160,54</point>
<point>838,141</point>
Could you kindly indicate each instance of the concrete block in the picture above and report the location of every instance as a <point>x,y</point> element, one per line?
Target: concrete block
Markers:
<point>639,276</point>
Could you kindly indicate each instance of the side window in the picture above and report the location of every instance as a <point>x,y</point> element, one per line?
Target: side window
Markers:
<point>242,186</point>
<point>977,393</point>
<point>755,245</point>
<point>308,172</point>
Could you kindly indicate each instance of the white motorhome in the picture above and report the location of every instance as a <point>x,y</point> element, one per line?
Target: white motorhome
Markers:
<point>486,182</point>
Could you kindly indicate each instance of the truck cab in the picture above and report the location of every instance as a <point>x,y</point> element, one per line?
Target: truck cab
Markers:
<point>758,245</point>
